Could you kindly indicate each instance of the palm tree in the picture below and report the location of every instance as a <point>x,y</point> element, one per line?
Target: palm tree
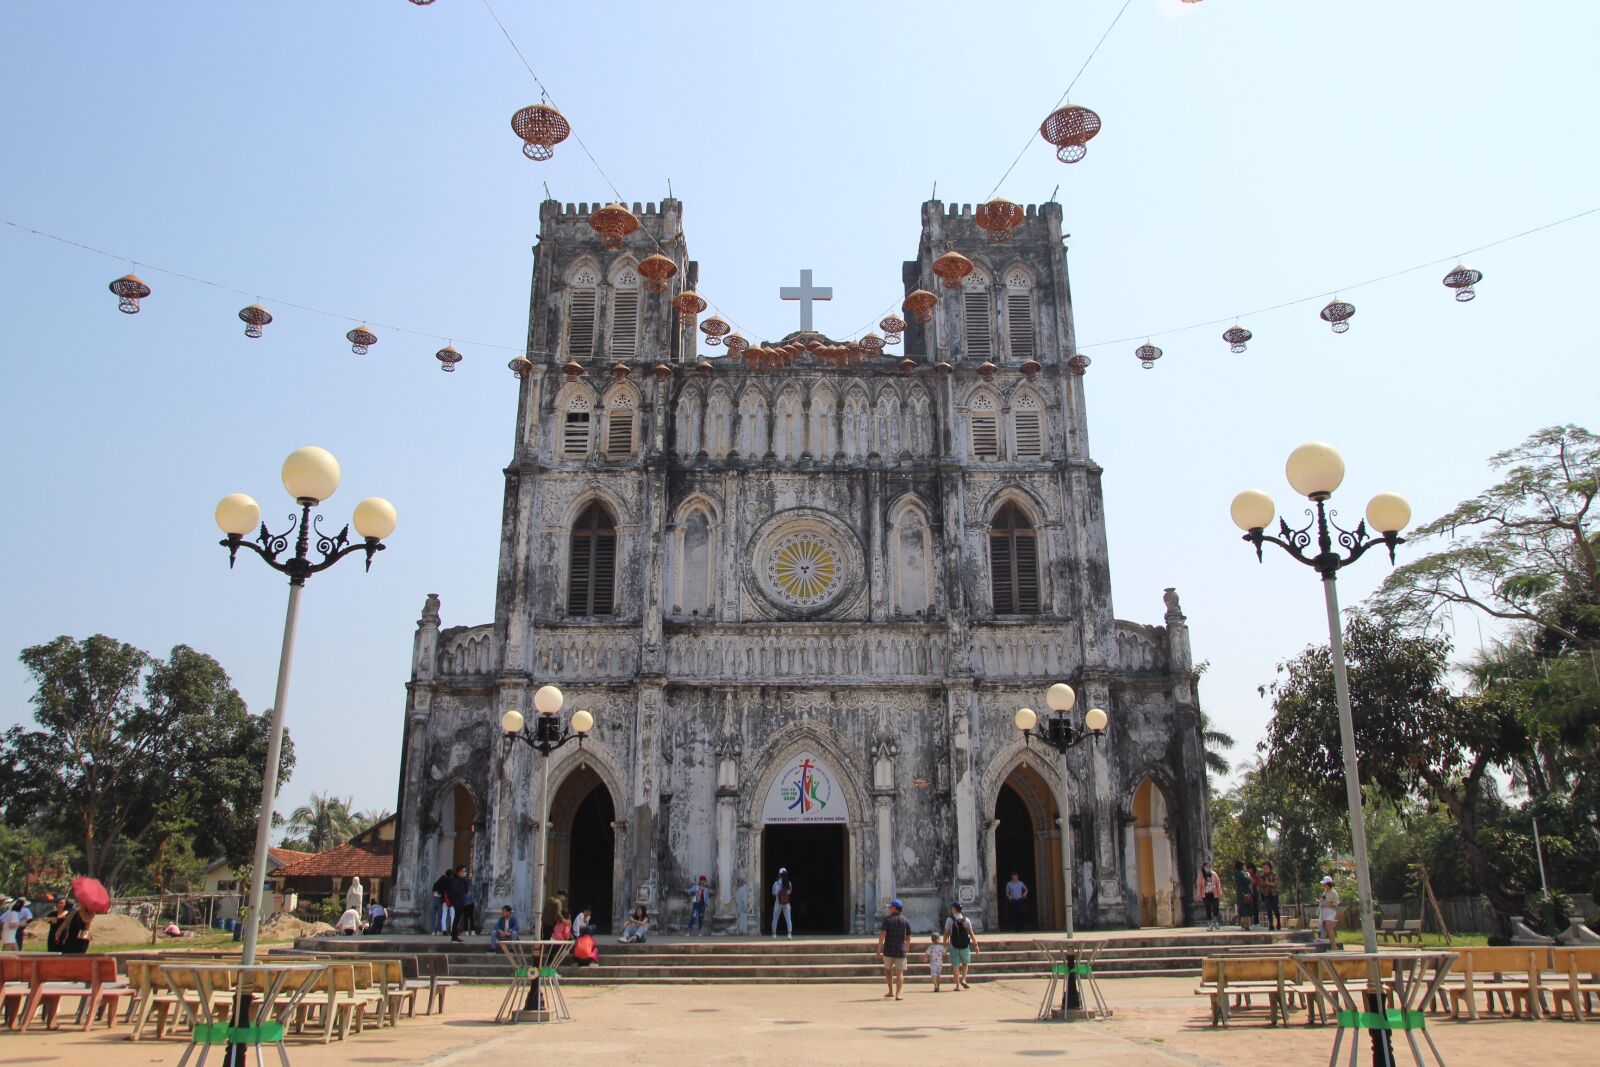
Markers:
<point>323,823</point>
<point>362,821</point>
<point>1214,745</point>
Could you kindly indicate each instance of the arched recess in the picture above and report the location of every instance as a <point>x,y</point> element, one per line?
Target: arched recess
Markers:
<point>582,283</point>
<point>1155,856</point>
<point>1014,562</point>
<point>886,427</point>
<point>719,422</point>
<point>592,563</point>
<point>857,424</point>
<point>753,431</point>
<point>622,421</point>
<point>582,844</point>
<point>845,844</point>
<point>977,315</point>
<point>823,431</point>
<point>596,759</point>
<point>1030,425</point>
<point>695,536</point>
<point>983,424</point>
<point>911,559</point>
<point>687,431</point>
<point>1018,313</point>
<point>1022,786</point>
<point>622,316</point>
<point>918,424</point>
<point>789,425</point>
<point>458,827</point>
<point>574,410</point>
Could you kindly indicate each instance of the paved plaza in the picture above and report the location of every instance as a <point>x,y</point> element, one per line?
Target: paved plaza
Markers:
<point>1158,1021</point>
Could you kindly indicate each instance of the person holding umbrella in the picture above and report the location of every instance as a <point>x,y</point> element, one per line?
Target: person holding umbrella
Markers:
<point>91,899</point>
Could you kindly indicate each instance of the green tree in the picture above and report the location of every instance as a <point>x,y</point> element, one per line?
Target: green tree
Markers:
<point>323,823</point>
<point>1215,745</point>
<point>130,748</point>
<point>1413,735</point>
<point>362,821</point>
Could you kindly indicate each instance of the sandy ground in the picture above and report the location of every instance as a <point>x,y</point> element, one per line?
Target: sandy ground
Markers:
<point>1157,1021</point>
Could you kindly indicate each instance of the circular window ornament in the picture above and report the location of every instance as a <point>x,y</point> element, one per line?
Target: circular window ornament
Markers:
<point>804,569</point>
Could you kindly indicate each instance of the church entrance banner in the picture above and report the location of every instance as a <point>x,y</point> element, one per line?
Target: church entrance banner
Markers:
<point>805,792</point>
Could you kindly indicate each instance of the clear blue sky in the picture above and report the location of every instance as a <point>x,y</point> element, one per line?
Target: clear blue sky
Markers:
<point>357,156</point>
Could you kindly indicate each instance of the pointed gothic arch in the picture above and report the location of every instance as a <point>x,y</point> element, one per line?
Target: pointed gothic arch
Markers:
<point>911,559</point>
<point>1019,313</point>
<point>1029,424</point>
<point>619,436</point>
<point>789,424</point>
<point>886,425</point>
<point>624,296</point>
<point>580,309</point>
<point>719,422</point>
<point>822,430</point>
<point>1153,853</point>
<point>1023,786</point>
<point>918,422</point>
<point>686,429</point>
<point>754,437</point>
<point>983,410</point>
<point>857,426</point>
<point>694,538</point>
<point>977,314</point>
<point>575,416</point>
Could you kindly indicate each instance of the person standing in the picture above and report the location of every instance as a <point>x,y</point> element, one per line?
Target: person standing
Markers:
<point>1328,909</point>
<point>455,891</point>
<point>13,923</point>
<point>57,936</point>
<point>77,937</point>
<point>1269,896</point>
<point>699,896</point>
<point>443,914</point>
<point>782,891</point>
<point>1242,893</point>
<point>936,953</point>
<point>355,896</point>
<point>1208,890</point>
<point>894,936</point>
<point>469,905</point>
<point>555,909</point>
<point>1016,895</point>
<point>1255,893</point>
<point>958,935</point>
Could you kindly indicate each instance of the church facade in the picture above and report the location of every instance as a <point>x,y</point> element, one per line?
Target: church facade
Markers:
<point>803,604</point>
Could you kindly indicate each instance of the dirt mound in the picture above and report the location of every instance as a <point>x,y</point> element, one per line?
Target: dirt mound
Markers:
<point>285,927</point>
<point>107,930</point>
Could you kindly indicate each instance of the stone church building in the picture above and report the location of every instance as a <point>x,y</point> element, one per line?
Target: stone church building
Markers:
<point>804,603</point>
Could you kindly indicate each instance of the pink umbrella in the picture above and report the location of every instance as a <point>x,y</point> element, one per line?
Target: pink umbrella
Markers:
<point>91,895</point>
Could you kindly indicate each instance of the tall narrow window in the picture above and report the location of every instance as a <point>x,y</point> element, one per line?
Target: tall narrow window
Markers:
<point>623,337</point>
<point>581,300</point>
<point>575,435</point>
<point>977,331</point>
<point>1013,563</point>
<point>592,564</point>
<point>983,420</point>
<point>1019,314</point>
<point>1027,425</point>
<point>619,432</point>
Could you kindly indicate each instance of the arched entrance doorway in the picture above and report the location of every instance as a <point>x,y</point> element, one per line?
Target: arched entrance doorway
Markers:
<point>1027,841</point>
<point>458,818</point>
<point>1160,896</point>
<point>583,844</point>
<point>805,827</point>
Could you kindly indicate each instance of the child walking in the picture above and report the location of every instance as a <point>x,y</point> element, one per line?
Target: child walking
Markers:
<point>936,958</point>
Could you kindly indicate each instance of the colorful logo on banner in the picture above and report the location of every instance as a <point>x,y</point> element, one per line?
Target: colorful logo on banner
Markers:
<point>805,793</point>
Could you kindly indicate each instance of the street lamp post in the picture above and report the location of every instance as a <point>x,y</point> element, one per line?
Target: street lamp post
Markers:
<point>544,735</point>
<point>311,476</point>
<point>1315,470</point>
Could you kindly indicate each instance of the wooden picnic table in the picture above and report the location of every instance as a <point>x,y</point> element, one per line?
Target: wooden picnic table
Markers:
<point>259,1000</point>
<point>49,976</point>
<point>1383,991</point>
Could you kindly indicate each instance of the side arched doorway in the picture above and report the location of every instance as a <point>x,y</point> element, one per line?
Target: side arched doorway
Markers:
<point>583,844</point>
<point>458,819</point>
<point>1160,895</point>
<point>1027,841</point>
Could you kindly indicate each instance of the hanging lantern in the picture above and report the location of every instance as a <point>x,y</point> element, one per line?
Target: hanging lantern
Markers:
<point>1079,364</point>
<point>872,344</point>
<point>422,3</point>
<point>735,343</point>
<point>361,339</point>
<point>704,368</point>
<point>892,328</point>
<point>521,366</point>
<point>998,218</point>
<point>541,128</point>
<point>619,371</point>
<point>1236,336</point>
<point>573,370</point>
<point>657,270</point>
<point>908,365</point>
<point>986,370</point>
<point>613,223</point>
<point>943,368</point>
<point>1070,130</point>
<point>661,371</point>
<point>1030,369</point>
<point>714,328</point>
<point>919,305</point>
<point>1338,312</point>
<point>448,357</point>
<point>130,290</point>
<point>1462,279</point>
<point>951,268</point>
<point>689,305</point>
<point>1148,354</point>
<point>254,317</point>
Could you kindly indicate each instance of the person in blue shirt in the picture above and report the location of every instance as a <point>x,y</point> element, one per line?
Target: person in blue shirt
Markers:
<point>506,928</point>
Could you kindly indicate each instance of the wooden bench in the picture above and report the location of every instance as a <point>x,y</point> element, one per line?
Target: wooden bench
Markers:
<point>1277,978</point>
<point>1495,973</point>
<point>1389,930</point>
<point>43,979</point>
<point>1579,984</point>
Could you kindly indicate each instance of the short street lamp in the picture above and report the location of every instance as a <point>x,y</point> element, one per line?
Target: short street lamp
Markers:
<point>545,734</point>
<point>1315,470</point>
<point>1061,733</point>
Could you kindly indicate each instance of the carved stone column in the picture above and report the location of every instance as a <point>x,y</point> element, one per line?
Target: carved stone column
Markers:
<point>408,832</point>
<point>1111,905</point>
<point>883,794</point>
<point>728,747</point>
<point>961,705</point>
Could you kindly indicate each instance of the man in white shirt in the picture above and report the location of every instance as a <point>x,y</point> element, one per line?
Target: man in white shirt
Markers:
<point>349,923</point>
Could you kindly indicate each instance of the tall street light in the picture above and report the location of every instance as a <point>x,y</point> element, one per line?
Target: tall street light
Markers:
<point>1315,470</point>
<point>1061,734</point>
<point>311,475</point>
<point>545,734</point>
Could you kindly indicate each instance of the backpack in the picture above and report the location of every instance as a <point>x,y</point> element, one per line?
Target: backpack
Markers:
<point>783,893</point>
<point>585,949</point>
<point>960,933</point>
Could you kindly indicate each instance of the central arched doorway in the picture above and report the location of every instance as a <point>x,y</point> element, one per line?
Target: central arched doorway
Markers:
<point>1027,840</point>
<point>583,845</point>
<point>818,861</point>
<point>1160,895</point>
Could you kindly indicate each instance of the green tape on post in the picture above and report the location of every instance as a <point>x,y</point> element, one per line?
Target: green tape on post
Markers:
<point>1392,1019</point>
<point>548,972</point>
<point>1082,970</point>
<point>210,1034</point>
<point>520,972</point>
<point>261,1034</point>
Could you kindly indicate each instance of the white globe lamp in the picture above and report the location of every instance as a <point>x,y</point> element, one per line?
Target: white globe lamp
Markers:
<point>1252,510</point>
<point>311,474</point>
<point>375,518</point>
<point>1025,719</point>
<point>511,721</point>
<point>238,514</point>
<point>547,700</point>
<point>1060,697</point>
<point>1315,470</point>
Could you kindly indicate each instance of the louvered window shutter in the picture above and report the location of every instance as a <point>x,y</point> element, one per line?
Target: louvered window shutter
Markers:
<point>580,574</point>
<point>1029,442</point>
<point>619,432</point>
<point>1025,554</point>
<point>975,313</point>
<point>985,436</point>
<point>605,574</point>
<point>580,324</point>
<point>575,434</point>
<point>1000,573</point>
<point>1019,324</point>
<point>624,322</point>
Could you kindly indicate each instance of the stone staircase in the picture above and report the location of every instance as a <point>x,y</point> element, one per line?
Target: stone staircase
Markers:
<point>746,961</point>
